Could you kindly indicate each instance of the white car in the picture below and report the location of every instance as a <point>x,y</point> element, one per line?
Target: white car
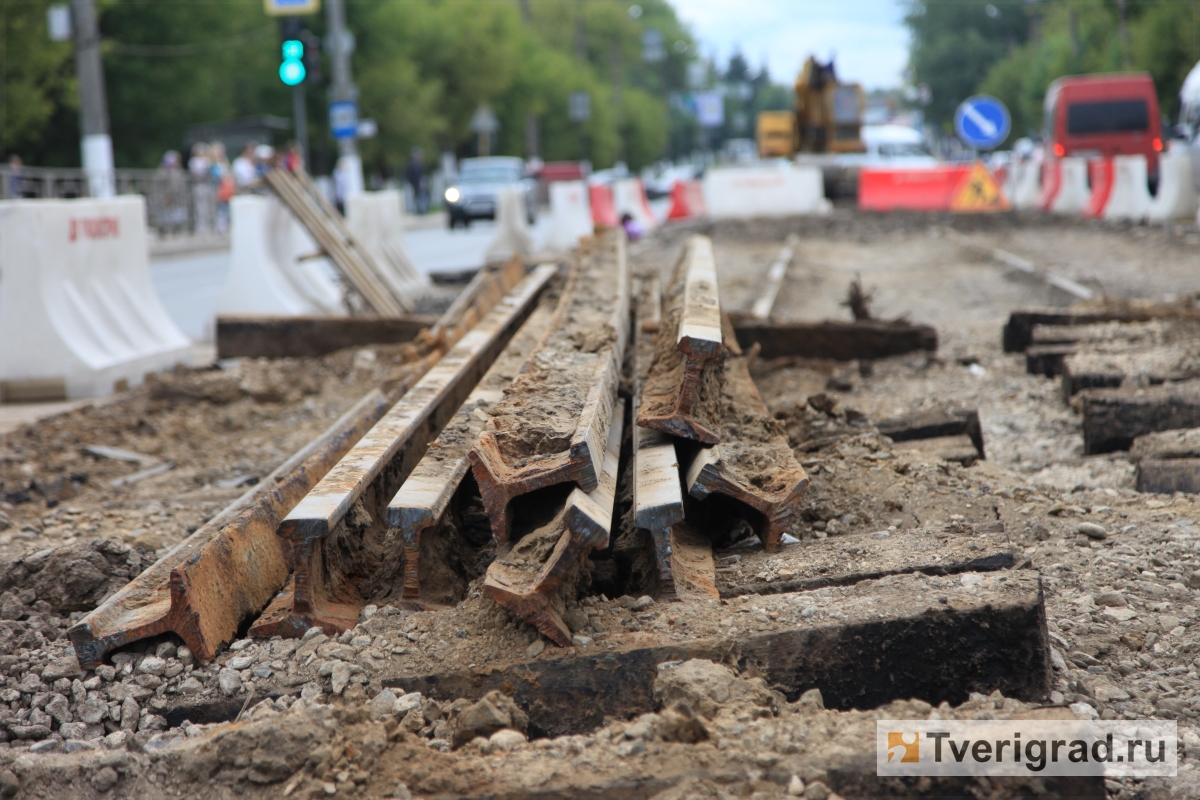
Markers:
<point>890,146</point>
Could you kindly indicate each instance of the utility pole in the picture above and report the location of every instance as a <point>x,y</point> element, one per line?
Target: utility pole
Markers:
<point>344,90</point>
<point>95,144</point>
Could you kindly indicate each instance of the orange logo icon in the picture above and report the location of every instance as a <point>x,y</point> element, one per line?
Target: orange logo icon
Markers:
<point>903,747</point>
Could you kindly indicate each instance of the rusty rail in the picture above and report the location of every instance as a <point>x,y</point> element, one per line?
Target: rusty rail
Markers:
<point>337,553</point>
<point>525,578</point>
<point>231,566</point>
<point>426,494</point>
<point>552,425</point>
<point>683,389</point>
<point>754,464</point>
<point>775,275</point>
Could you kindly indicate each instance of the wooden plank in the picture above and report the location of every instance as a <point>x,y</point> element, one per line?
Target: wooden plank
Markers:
<point>266,336</point>
<point>427,492</point>
<point>1181,443</point>
<point>681,393</point>
<point>774,279</point>
<point>329,230</point>
<point>959,449</point>
<point>526,577</point>
<point>1136,367</point>
<point>1018,331</point>
<point>552,425</point>
<point>840,341</point>
<point>935,423</point>
<point>333,557</point>
<point>1113,418</point>
<point>1167,476</point>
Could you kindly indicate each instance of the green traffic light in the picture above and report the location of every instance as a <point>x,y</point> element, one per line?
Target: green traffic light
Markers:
<point>292,72</point>
<point>293,50</point>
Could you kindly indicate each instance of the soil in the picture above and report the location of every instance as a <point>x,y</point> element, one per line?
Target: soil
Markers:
<point>1118,570</point>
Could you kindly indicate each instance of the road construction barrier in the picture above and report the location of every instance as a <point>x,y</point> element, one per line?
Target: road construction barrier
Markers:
<point>376,221</point>
<point>1051,183</point>
<point>1100,175</point>
<point>748,192</point>
<point>687,200</point>
<point>79,316</point>
<point>570,214</point>
<point>274,265</point>
<point>1025,184</point>
<point>604,211</point>
<point>1130,198</point>
<point>950,187</point>
<point>512,227</point>
<point>1176,198</point>
<point>1073,193</point>
<point>629,197</point>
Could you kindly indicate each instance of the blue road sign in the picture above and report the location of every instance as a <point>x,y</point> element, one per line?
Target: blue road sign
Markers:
<point>343,119</point>
<point>982,122</point>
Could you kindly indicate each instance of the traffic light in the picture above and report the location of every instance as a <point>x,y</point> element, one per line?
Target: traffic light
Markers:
<point>292,70</point>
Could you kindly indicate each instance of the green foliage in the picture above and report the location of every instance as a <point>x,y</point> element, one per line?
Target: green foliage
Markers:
<point>422,68</point>
<point>38,90</point>
<point>955,44</point>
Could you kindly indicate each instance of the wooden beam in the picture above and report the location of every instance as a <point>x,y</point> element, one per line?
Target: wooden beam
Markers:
<point>306,336</point>
<point>840,341</point>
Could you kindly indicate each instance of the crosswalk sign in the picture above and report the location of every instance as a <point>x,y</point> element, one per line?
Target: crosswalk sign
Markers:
<point>977,192</point>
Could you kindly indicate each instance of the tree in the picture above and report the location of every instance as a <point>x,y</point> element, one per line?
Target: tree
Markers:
<point>955,44</point>
<point>38,95</point>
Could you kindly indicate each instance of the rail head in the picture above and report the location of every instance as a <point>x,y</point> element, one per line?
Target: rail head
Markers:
<point>589,514</point>
<point>319,512</point>
<point>657,494</point>
<point>699,333</point>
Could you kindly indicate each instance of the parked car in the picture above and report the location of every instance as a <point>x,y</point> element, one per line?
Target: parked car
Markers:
<point>1093,116</point>
<point>474,193</point>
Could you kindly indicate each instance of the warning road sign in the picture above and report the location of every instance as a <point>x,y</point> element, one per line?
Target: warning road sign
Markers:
<point>977,192</point>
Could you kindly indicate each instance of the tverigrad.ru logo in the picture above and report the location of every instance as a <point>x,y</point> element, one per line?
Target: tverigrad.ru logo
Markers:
<point>1117,748</point>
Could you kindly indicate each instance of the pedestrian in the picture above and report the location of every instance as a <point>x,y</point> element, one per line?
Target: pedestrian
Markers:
<point>16,181</point>
<point>264,161</point>
<point>633,231</point>
<point>245,174</point>
<point>222,176</point>
<point>415,174</point>
<point>170,195</point>
<point>293,159</point>
<point>204,193</point>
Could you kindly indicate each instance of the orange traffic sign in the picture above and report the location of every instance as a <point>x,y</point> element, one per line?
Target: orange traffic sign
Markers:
<point>977,192</point>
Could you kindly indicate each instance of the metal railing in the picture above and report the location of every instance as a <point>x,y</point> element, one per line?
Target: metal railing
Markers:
<point>176,203</point>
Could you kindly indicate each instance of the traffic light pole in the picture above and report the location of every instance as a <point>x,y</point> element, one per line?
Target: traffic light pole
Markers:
<point>343,90</point>
<point>300,117</point>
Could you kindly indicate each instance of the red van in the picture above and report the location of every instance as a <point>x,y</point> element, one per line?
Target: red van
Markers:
<point>1114,114</point>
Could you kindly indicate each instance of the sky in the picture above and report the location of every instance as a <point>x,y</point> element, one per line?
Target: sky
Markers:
<point>867,37</point>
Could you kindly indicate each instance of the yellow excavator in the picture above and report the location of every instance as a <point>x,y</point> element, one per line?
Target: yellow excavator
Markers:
<point>827,118</point>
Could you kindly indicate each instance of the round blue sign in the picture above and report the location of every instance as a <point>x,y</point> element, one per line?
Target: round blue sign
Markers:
<point>982,122</point>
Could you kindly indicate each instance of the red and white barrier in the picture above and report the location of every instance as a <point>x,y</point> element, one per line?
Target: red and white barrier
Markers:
<point>1130,198</point>
<point>1100,173</point>
<point>629,197</point>
<point>749,192</point>
<point>1024,185</point>
<point>687,200</point>
<point>1073,193</point>
<point>910,189</point>
<point>269,268</point>
<point>1051,183</point>
<point>376,220</point>
<point>604,211</point>
<point>77,306</point>
<point>1176,198</point>
<point>570,214</point>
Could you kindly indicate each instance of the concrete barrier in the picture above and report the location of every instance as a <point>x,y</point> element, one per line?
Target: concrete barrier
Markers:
<point>1100,176</point>
<point>1051,183</point>
<point>1073,193</point>
<point>79,316</point>
<point>687,200</point>
<point>1130,198</point>
<point>512,227</point>
<point>604,211</point>
<point>1176,198</point>
<point>1026,184</point>
<point>376,220</point>
<point>629,197</point>
<point>570,214</point>
<point>268,269</point>
<point>748,192</point>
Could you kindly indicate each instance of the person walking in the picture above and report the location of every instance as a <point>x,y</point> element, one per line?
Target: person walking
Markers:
<point>204,193</point>
<point>245,173</point>
<point>170,195</point>
<point>415,174</point>
<point>222,177</point>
